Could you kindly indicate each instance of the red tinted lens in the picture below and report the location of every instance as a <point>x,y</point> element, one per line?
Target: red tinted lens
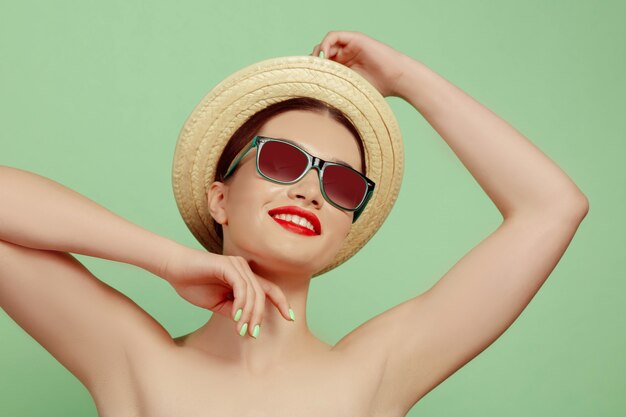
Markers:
<point>281,162</point>
<point>344,186</point>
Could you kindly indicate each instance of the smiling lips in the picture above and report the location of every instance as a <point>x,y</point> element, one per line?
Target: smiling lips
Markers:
<point>297,228</point>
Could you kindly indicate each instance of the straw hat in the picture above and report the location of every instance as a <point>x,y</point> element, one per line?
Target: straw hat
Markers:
<point>242,94</point>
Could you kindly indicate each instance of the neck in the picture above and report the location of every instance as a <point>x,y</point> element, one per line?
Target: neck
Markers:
<point>279,341</point>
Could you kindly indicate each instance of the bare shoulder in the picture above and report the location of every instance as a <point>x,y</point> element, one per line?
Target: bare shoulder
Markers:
<point>366,350</point>
<point>425,339</point>
<point>91,328</point>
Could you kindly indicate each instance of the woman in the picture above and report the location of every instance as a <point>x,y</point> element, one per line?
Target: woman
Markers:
<point>230,367</point>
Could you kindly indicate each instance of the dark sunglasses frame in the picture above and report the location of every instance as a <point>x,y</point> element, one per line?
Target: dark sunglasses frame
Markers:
<point>313,162</point>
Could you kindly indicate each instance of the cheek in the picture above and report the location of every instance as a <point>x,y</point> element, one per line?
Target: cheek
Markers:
<point>248,204</point>
<point>338,226</point>
<point>244,205</point>
<point>244,213</point>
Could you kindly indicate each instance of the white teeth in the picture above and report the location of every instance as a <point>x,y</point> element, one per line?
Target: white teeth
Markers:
<point>301,221</point>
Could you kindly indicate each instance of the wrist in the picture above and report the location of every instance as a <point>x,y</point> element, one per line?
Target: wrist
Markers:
<point>415,79</point>
<point>403,81</point>
<point>154,257</point>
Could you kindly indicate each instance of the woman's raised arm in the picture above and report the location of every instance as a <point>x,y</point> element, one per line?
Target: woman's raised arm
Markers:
<point>425,339</point>
<point>39,213</point>
<point>515,174</point>
<point>88,326</point>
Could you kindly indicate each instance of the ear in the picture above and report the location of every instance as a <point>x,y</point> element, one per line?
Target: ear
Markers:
<point>216,199</point>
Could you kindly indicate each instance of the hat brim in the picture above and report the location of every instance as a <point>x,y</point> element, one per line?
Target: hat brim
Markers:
<point>233,101</point>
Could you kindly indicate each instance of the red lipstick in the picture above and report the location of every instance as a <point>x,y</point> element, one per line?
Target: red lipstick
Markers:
<point>299,211</point>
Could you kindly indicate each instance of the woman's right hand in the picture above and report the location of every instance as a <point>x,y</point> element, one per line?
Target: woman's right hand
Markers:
<point>380,64</point>
<point>222,284</point>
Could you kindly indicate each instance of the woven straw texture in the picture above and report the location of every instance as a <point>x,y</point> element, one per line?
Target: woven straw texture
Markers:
<point>234,100</point>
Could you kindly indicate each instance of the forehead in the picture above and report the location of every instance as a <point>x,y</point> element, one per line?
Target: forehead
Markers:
<point>319,134</point>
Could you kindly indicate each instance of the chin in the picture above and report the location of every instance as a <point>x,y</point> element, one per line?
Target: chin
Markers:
<point>272,258</point>
<point>277,253</point>
<point>290,261</point>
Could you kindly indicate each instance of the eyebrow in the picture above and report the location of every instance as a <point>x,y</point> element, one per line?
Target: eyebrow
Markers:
<point>302,146</point>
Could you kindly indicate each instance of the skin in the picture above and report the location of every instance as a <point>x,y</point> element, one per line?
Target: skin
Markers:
<point>286,258</point>
<point>131,365</point>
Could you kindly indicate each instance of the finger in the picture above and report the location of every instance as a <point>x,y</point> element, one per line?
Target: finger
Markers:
<point>332,50</point>
<point>259,302</point>
<point>250,294</point>
<point>335,43</point>
<point>239,287</point>
<point>224,308</point>
<point>239,299</point>
<point>231,280</point>
<point>318,48</point>
<point>334,38</point>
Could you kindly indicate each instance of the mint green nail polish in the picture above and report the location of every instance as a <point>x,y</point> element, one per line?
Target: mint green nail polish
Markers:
<point>293,316</point>
<point>243,330</point>
<point>238,315</point>
<point>256,331</point>
<point>322,54</point>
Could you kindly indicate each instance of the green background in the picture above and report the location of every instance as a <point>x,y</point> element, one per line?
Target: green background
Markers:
<point>93,95</point>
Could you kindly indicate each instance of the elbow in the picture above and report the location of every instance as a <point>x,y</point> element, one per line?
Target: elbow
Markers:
<point>569,208</point>
<point>575,208</point>
<point>583,206</point>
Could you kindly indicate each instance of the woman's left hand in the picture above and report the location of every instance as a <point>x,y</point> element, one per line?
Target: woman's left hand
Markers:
<point>377,62</point>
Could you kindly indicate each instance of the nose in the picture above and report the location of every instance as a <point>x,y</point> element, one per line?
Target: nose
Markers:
<point>308,189</point>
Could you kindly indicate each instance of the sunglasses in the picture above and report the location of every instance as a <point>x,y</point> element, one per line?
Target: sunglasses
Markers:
<point>283,162</point>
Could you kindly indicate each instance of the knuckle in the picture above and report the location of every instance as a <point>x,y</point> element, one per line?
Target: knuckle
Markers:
<point>268,290</point>
<point>250,292</point>
<point>259,296</point>
<point>242,281</point>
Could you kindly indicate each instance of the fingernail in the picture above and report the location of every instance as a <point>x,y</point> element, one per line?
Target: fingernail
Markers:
<point>238,315</point>
<point>256,331</point>
<point>243,329</point>
<point>321,54</point>
<point>292,315</point>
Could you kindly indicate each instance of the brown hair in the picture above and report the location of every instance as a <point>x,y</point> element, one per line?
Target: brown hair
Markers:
<point>248,130</point>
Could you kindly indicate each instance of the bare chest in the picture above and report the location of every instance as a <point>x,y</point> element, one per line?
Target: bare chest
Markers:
<point>325,385</point>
